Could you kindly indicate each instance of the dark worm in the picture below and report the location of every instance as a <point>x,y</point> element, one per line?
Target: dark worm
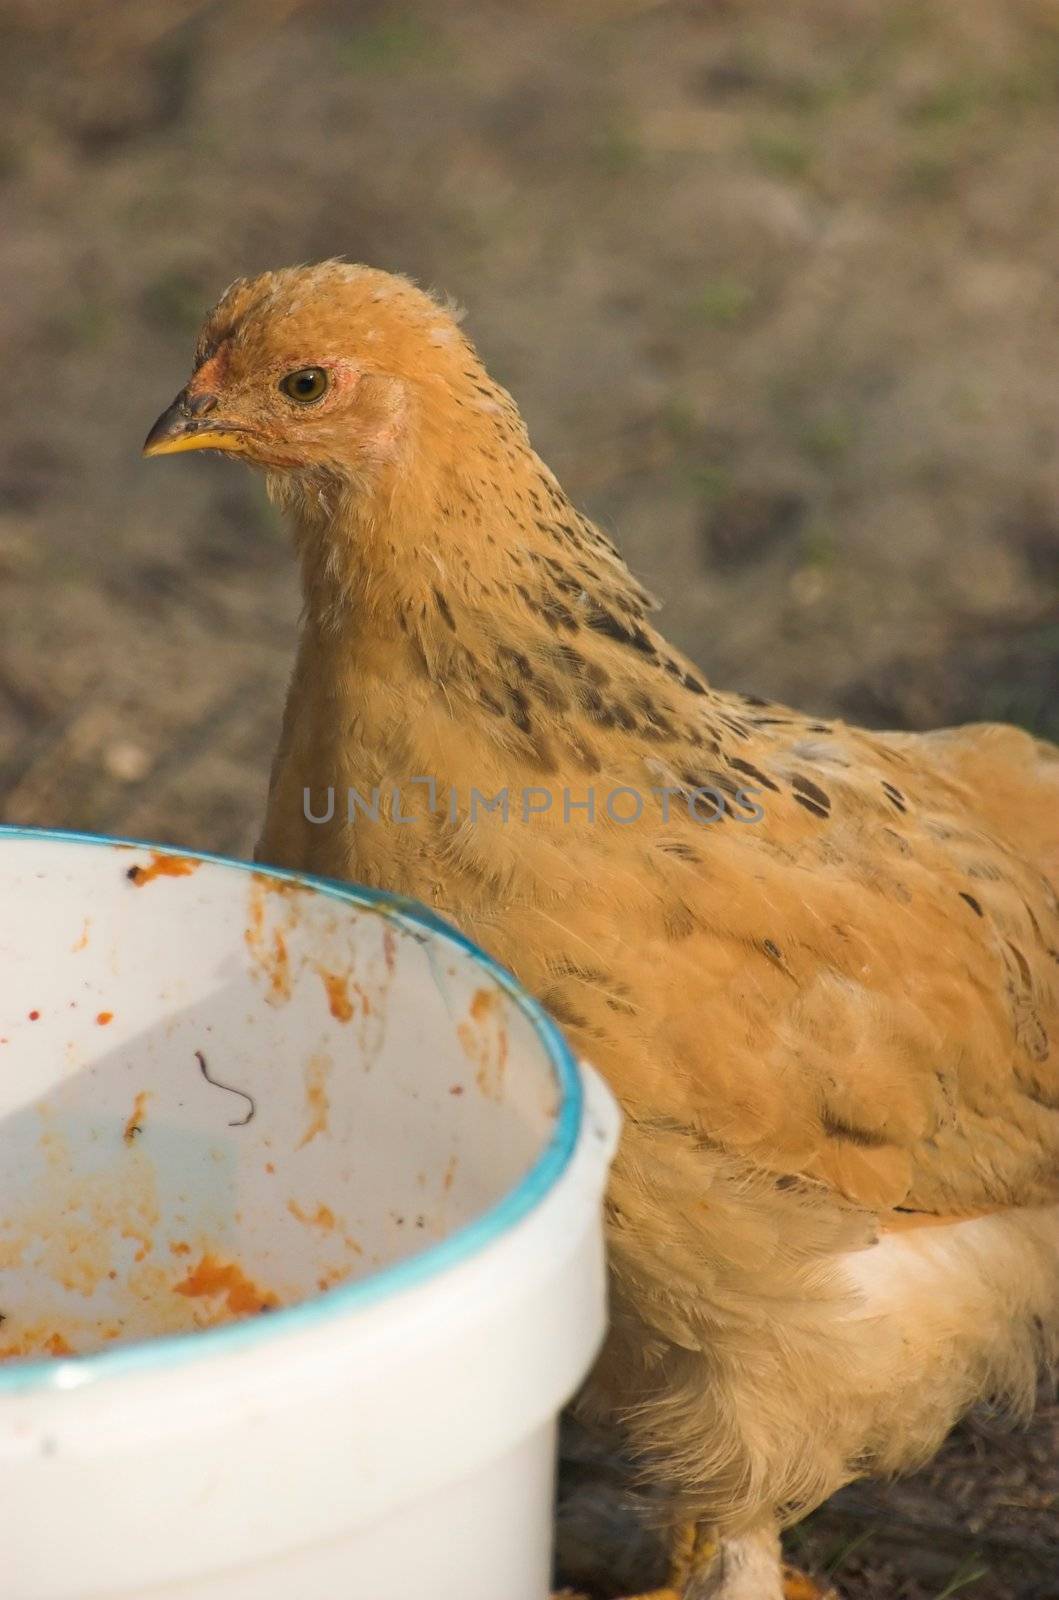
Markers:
<point>240,1122</point>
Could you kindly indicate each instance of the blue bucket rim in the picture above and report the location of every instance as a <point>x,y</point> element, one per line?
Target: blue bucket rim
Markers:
<point>145,1355</point>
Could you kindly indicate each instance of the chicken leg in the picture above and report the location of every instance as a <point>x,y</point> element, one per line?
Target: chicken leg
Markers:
<point>743,1568</point>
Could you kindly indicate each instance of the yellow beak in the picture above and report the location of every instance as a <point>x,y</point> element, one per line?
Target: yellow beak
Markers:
<point>177,429</point>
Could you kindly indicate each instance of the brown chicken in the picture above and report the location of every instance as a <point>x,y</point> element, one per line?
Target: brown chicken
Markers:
<point>820,967</point>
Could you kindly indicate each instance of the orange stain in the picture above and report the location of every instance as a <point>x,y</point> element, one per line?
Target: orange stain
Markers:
<point>144,1240</point>
<point>490,1059</point>
<point>333,1276</point>
<point>322,1217</point>
<point>337,989</point>
<point>285,888</point>
<point>212,1277</point>
<point>162,866</point>
<point>135,1123</point>
<point>256,920</point>
<point>273,959</point>
<point>180,1247</point>
<point>34,1342</point>
<point>279,976</point>
<point>103,1017</point>
<point>83,940</point>
<point>316,1098</point>
<point>483,1002</point>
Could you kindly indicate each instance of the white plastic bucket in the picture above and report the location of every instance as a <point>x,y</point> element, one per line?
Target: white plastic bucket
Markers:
<point>320,1119</point>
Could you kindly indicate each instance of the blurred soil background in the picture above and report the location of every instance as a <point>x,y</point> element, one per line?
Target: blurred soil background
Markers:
<point>776,287</point>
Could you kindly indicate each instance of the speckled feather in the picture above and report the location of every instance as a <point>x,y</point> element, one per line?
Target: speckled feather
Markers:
<point>829,1015</point>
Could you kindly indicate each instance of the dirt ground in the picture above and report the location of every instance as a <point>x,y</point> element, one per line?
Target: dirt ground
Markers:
<point>776,287</point>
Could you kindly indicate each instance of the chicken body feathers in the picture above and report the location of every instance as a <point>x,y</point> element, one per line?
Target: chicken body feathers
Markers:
<point>843,967</point>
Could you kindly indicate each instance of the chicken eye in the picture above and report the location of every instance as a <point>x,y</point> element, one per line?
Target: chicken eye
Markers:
<point>306,385</point>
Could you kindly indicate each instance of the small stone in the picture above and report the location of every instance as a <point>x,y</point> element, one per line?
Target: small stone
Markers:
<point>127,762</point>
<point>808,586</point>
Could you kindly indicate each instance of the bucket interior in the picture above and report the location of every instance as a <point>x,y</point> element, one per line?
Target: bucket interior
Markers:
<point>224,1092</point>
